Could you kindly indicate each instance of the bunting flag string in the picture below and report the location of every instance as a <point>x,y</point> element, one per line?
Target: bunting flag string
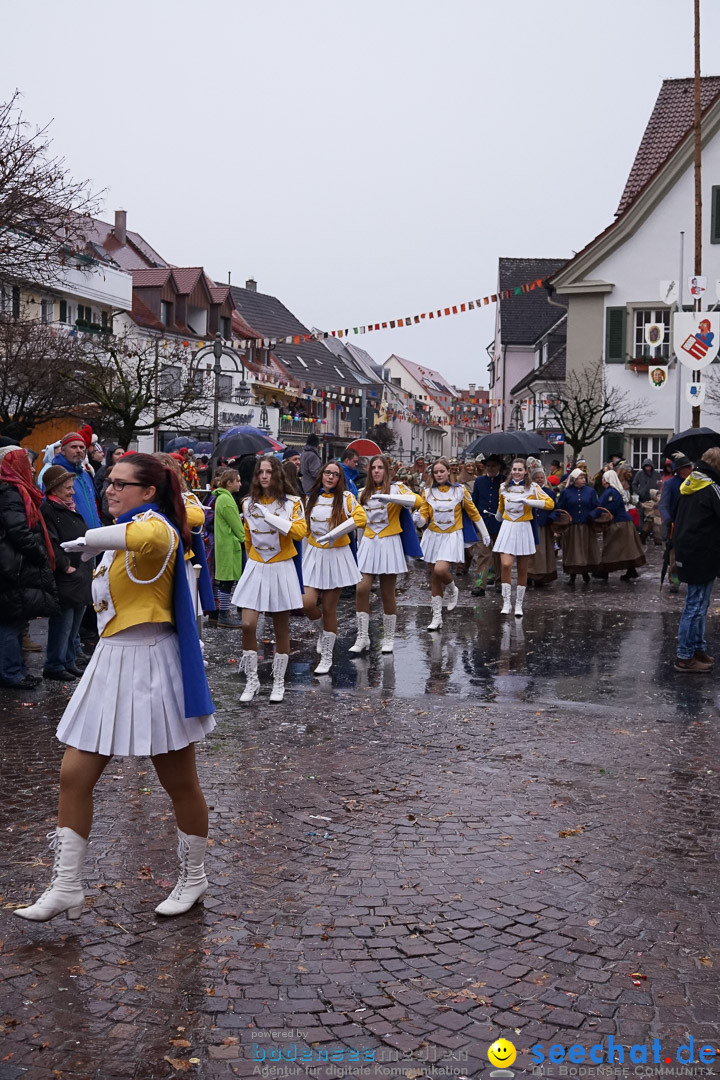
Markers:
<point>393,324</point>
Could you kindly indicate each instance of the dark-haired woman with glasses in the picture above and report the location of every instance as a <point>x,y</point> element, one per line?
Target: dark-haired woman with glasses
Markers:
<point>274,524</point>
<point>332,513</point>
<point>144,691</point>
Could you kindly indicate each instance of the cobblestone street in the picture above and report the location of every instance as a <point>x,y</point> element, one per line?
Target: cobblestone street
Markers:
<point>505,829</point>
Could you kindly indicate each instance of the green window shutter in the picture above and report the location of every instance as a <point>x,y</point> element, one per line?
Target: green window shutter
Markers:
<point>615,319</point>
<point>715,218</point>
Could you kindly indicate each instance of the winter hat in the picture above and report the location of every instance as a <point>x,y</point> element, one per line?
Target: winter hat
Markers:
<point>6,450</point>
<point>54,477</point>
<point>680,461</point>
<point>86,434</point>
<point>72,436</point>
<point>553,479</point>
<point>290,452</point>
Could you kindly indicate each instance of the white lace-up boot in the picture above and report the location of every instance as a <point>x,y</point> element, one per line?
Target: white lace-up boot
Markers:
<point>450,596</point>
<point>248,664</point>
<point>191,882</point>
<point>507,599</point>
<point>519,597</point>
<point>437,619</point>
<point>65,892</point>
<point>326,652</point>
<point>362,641</point>
<point>280,663</point>
<point>388,642</point>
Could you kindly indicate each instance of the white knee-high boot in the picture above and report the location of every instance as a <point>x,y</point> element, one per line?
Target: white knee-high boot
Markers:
<point>191,882</point>
<point>436,622</point>
<point>519,597</point>
<point>362,641</point>
<point>388,642</point>
<point>280,663</point>
<point>507,599</point>
<point>326,652</point>
<point>248,664</point>
<point>65,892</point>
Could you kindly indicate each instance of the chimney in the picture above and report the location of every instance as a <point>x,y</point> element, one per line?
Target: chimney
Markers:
<point>120,229</point>
<point>251,285</point>
<point>471,387</point>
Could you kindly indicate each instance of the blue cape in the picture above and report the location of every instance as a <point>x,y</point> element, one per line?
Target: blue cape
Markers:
<point>409,536</point>
<point>470,533</point>
<point>196,691</point>
<point>207,600</point>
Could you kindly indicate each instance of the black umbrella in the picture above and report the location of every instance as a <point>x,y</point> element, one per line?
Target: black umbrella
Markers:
<point>693,442</point>
<point>510,442</point>
<point>243,442</point>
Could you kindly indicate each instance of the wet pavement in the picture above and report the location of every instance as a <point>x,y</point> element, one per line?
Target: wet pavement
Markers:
<point>508,828</point>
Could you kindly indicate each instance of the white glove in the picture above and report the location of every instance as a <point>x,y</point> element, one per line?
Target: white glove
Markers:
<point>109,538</point>
<point>484,534</point>
<point>540,503</point>
<point>336,533</point>
<point>418,520</point>
<point>498,516</point>
<point>401,500</point>
<point>283,525</point>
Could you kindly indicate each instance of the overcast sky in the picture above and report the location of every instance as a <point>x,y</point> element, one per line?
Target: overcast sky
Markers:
<point>362,159</point>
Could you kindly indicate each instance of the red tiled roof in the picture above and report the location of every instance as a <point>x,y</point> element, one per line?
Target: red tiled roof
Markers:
<point>426,376</point>
<point>187,277</point>
<point>143,316</point>
<point>219,293</point>
<point>241,328</point>
<point>670,123</point>
<point>149,279</point>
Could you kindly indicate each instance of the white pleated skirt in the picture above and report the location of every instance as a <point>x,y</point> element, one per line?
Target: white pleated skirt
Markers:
<point>268,587</point>
<point>330,568</point>
<point>445,547</point>
<point>515,538</point>
<point>130,699</point>
<point>381,555</point>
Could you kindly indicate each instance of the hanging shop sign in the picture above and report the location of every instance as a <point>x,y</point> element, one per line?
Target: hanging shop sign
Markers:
<point>696,336</point>
<point>657,376</point>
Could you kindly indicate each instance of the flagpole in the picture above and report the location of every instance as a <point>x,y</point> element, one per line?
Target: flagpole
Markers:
<point>697,131</point>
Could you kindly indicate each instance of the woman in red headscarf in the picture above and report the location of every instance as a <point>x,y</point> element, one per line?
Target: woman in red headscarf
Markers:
<point>27,584</point>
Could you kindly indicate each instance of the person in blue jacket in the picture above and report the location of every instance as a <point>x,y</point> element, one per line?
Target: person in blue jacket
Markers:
<point>485,495</point>
<point>621,549</point>
<point>72,457</point>
<point>581,552</point>
<point>349,462</point>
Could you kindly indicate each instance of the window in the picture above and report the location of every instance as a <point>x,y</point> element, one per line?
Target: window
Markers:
<point>166,312</point>
<point>46,311</point>
<point>63,311</point>
<point>170,377</point>
<point>105,321</point>
<point>84,314</point>
<point>648,446</point>
<point>301,361</point>
<point>226,327</point>
<point>16,302</point>
<point>715,215</point>
<point>643,317</point>
<point>225,387</point>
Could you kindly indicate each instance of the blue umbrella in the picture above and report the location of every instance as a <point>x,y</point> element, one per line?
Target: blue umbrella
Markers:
<point>244,429</point>
<point>204,448</point>
<point>179,443</point>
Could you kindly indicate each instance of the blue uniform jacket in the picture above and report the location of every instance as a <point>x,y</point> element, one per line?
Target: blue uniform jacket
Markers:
<point>543,517</point>
<point>613,501</point>
<point>351,476</point>
<point>485,495</point>
<point>578,502</point>
<point>84,493</point>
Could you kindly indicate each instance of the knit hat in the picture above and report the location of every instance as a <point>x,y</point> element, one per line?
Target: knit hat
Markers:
<point>53,477</point>
<point>72,436</point>
<point>680,461</point>
<point>290,452</point>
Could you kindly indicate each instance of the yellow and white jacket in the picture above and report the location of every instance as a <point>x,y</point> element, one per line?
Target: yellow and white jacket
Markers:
<point>443,505</point>
<point>512,504</point>
<point>319,522</point>
<point>264,543</point>
<point>383,519</point>
<point>136,585</point>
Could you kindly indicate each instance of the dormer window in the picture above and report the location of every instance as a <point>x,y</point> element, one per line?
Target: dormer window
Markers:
<point>166,312</point>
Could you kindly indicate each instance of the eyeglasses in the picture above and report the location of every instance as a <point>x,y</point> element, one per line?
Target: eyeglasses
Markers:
<point>120,485</point>
<point>331,472</point>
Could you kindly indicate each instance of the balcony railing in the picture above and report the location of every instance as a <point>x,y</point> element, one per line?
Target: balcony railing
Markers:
<point>298,427</point>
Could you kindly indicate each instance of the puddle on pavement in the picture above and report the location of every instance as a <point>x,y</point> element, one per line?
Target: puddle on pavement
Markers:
<point>588,658</point>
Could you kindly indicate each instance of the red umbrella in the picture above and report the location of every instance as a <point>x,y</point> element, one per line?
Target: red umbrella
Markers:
<point>365,447</point>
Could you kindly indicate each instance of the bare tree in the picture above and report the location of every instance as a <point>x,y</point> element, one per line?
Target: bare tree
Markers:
<point>44,213</point>
<point>34,359</point>
<point>589,408</point>
<point>139,383</point>
<point>384,436</point>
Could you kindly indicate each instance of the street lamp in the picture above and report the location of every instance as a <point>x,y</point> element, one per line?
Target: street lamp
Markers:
<point>219,349</point>
<point>516,419</point>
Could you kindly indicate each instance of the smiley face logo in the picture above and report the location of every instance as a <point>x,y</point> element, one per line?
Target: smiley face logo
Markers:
<point>502,1053</point>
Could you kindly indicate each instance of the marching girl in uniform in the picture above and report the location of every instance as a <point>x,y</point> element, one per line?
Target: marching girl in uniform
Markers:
<point>332,513</point>
<point>519,496</point>
<point>274,524</point>
<point>381,552</point>
<point>144,691</point>
<point>443,542</point>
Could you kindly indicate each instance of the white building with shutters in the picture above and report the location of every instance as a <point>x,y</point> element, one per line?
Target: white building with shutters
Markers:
<point>612,286</point>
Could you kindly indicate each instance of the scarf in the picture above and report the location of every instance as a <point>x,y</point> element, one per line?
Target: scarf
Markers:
<point>196,691</point>
<point>15,470</point>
